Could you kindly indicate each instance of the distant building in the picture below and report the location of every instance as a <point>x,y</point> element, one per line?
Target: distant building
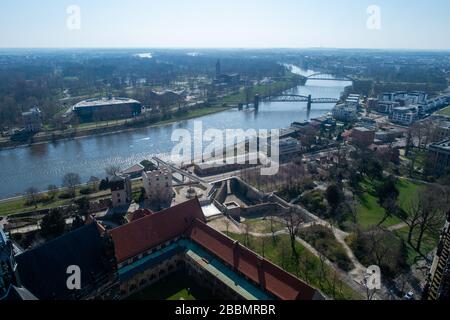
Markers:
<point>388,136</point>
<point>442,131</point>
<point>345,112</point>
<point>134,171</point>
<point>404,115</point>
<point>372,104</point>
<point>439,156</point>
<point>289,148</point>
<point>121,192</point>
<point>387,106</point>
<point>438,284</point>
<point>362,136</point>
<point>109,108</point>
<point>32,120</point>
<point>229,79</point>
<point>353,99</point>
<point>158,184</point>
<point>167,97</point>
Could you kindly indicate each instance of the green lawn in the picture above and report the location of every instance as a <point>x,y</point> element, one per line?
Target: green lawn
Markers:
<point>444,112</point>
<point>278,251</point>
<point>20,205</point>
<point>430,242</point>
<point>370,212</point>
<point>177,286</point>
<point>263,226</point>
<point>324,241</point>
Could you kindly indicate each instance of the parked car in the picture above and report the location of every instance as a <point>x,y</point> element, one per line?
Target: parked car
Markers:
<point>409,296</point>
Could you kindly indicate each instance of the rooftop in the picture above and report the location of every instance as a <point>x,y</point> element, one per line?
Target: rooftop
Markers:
<point>96,102</point>
<point>443,145</point>
<point>43,270</point>
<point>143,234</point>
<point>187,221</point>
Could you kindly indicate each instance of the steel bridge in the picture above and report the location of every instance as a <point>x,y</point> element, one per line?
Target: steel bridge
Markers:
<point>328,77</point>
<point>299,98</point>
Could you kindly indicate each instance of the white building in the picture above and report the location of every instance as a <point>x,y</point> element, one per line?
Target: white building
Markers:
<point>158,184</point>
<point>290,147</point>
<point>121,191</point>
<point>345,112</point>
<point>404,115</point>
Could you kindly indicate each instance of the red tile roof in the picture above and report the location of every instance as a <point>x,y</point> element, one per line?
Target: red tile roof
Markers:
<point>139,214</point>
<point>143,234</point>
<point>269,276</point>
<point>187,219</point>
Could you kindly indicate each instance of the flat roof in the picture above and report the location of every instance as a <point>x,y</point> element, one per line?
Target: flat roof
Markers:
<point>97,102</point>
<point>443,145</point>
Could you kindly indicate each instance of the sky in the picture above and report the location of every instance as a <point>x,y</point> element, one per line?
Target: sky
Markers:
<point>381,24</point>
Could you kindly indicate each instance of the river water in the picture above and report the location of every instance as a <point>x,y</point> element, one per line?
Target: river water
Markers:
<point>44,164</point>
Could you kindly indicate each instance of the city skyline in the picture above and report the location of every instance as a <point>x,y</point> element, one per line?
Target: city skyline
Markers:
<point>234,24</point>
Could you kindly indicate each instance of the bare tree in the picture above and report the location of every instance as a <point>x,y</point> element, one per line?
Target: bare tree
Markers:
<point>272,227</point>
<point>263,246</point>
<point>112,170</point>
<point>52,191</point>
<point>32,195</point>
<point>433,206</point>
<point>413,212</point>
<point>293,222</point>
<point>70,181</point>
<point>227,225</point>
<point>247,237</point>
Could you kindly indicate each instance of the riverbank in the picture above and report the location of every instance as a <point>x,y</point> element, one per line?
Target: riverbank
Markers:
<point>124,125</point>
<point>121,126</point>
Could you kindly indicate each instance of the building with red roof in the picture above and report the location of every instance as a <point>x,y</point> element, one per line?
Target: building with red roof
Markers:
<point>154,246</point>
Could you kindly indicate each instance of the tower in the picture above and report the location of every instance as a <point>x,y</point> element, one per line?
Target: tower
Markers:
<point>218,68</point>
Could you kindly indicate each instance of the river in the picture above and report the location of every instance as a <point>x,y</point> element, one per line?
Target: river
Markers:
<point>44,164</point>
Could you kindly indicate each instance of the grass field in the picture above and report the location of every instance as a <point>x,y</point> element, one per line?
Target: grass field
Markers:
<point>370,212</point>
<point>177,286</point>
<point>444,112</point>
<point>263,226</point>
<point>309,269</point>
<point>430,242</point>
<point>19,205</point>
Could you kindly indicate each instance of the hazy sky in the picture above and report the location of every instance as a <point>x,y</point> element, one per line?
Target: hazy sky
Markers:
<point>410,24</point>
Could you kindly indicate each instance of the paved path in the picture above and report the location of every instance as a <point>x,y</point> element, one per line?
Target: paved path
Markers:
<point>397,226</point>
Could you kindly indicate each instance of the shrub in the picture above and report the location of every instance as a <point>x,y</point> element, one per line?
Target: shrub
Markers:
<point>323,240</point>
<point>382,248</point>
<point>65,195</point>
<point>86,191</point>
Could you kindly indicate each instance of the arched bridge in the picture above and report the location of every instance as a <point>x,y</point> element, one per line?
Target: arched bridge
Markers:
<point>329,77</point>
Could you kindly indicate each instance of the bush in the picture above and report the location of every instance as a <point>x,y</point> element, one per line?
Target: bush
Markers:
<point>65,195</point>
<point>323,240</point>
<point>86,191</point>
<point>382,248</point>
<point>313,201</point>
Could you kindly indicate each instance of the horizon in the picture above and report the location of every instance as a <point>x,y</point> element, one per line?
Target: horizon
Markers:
<point>250,24</point>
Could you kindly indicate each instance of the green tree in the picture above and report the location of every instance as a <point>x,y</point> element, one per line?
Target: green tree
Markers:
<point>334,196</point>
